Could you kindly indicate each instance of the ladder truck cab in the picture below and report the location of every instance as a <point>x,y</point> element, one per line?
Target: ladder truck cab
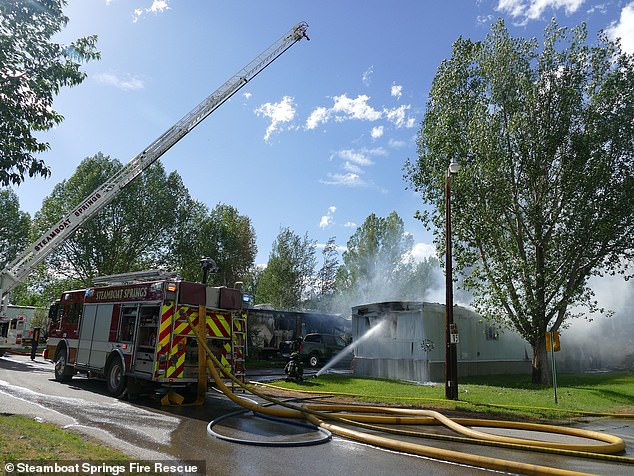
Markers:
<point>134,332</point>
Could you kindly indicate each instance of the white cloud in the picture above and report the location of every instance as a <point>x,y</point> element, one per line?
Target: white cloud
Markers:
<point>113,80</point>
<point>350,167</point>
<point>353,165</point>
<point>484,19</point>
<point>247,96</point>
<point>624,29</point>
<point>316,117</point>
<point>533,9</point>
<point>328,218</point>
<point>396,91</point>
<point>358,108</point>
<point>358,157</point>
<point>377,132</point>
<point>345,109</point>
<point>279,113</point>
<point>347,180</point>
<point>397,144</point>
<point>367,76</point>
<point>600,8</point>
<point>350,224</point>
<point>158,6</point>
<point>399,117</point>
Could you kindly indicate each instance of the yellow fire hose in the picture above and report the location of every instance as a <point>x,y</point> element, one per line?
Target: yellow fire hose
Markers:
<point>318,413</point>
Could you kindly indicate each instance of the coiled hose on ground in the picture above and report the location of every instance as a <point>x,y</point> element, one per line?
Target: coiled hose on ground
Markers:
<point>320,414</point>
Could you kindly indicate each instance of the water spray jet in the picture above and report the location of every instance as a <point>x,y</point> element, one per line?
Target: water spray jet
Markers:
<point>374,330</point>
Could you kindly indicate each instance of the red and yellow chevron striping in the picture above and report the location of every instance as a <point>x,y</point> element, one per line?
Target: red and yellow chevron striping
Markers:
<point>175,328</point>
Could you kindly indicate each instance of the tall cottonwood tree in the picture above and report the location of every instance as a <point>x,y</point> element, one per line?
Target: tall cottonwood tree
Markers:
<point>15,227</point>
<point>32,70</point>
<point>131,233</point>
<point>234,240</point>
<point>222,235</point>
<point>545,196</point>
<point>324,287</point>
<point>375,263</point>
<point>289,272</point>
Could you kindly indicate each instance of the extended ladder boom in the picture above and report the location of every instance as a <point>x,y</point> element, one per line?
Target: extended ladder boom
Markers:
<point>21,266</point>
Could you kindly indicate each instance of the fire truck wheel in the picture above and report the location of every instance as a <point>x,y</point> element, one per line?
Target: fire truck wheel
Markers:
<point>1,353</point>
<point>116,379</point>
<point>63,371</point>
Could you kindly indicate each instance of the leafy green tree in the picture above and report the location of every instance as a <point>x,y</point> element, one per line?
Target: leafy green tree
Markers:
<point>32,70</point>
<point>234,241</point>
<point>322,294</point>
<point>129,234</point>
<point>374,264</point>
<point>188,243</point>
<point>41,288</point>
<point>289,272</point>
<point>223,235</point>
<point>327,275</point>
<point>14,227</point>
<point>544,198</point>
<point>252,280</point>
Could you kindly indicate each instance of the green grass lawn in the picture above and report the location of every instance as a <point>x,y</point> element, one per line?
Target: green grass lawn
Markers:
<point>25,439</point>
<point>577,394</point>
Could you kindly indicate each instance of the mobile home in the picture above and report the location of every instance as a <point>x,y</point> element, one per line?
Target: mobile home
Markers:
<point>406,341</point>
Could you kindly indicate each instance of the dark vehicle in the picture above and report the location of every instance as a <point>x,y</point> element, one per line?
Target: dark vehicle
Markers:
<point>318,348</point>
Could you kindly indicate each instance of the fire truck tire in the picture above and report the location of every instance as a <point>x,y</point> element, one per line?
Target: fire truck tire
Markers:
<point>116,380</point>
<point>1,353</point>
<point>63,371</point>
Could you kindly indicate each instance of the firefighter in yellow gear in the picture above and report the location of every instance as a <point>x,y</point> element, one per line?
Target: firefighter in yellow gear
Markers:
<point>294,369</point>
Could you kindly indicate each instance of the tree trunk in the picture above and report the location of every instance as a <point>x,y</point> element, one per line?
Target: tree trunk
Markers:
<point>540,366</point>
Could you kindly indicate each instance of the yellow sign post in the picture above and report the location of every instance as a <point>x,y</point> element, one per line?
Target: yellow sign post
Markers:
<point>552,346</point>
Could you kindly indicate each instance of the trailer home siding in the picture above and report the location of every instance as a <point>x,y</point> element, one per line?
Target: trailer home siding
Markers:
<point>410,344</point>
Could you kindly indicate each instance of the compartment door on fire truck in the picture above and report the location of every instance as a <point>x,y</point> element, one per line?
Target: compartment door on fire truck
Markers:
<point>93,335</point>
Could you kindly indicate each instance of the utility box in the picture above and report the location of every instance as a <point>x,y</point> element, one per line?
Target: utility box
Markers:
<point>212,296</point>
<point>409,342</point>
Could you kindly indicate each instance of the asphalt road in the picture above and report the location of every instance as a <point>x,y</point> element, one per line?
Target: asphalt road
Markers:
<point>147,431</point>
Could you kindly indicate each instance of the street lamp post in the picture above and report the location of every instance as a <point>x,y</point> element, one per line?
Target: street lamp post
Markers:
<point>451,357</point>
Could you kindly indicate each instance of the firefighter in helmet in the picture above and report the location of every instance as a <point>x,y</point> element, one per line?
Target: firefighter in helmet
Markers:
<point>294,369</point>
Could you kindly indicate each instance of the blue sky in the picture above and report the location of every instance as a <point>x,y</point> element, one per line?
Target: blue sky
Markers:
<point>317,142</point>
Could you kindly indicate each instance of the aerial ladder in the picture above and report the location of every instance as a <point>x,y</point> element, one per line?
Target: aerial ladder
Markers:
<point>18,269</point>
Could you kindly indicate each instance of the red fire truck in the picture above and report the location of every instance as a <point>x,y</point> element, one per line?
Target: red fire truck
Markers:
<point>135,333</point>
